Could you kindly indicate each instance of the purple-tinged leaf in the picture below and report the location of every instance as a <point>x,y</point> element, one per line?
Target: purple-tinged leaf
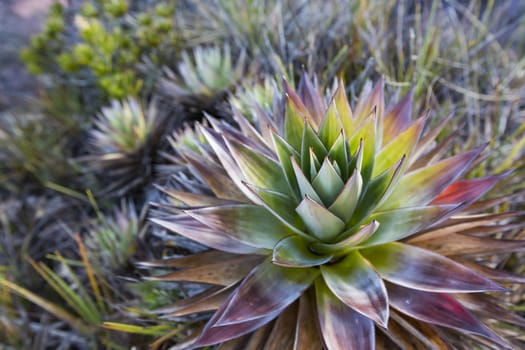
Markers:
<point>222,152</point>
<point>422,269</point>
<point>258,169</point>
<point>216,177</point>
<point>467,190</point>
<point>306,332</point>
<point>354,281</point>
<point>258,338</point>
<point>294,251</point>
<point>402,223</point>
<point>194,260</point>
<point>493,274</point>
<point>195,199</point>
<point>489,307</point>
<point>352,240</point>
<point>429,138</point>
<point>463,245</point>
<point>374,101</point>
<point>256,144</point>
<point>421,186</point>
<point>458,224</point>
<point>198,232</point>
<point>282,334</point>
<point>341,327</point>
<point>222,273</point>
<point>320,221</point>
<point>209,300</point>
<point>440,309</point>
<point>398,118</point>
<point>214,334</point>
<point>312,99</point>
<point>267,289</point>
<point>251,224</point>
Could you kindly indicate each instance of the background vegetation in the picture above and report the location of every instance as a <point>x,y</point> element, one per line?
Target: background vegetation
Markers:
<point>122,81</point>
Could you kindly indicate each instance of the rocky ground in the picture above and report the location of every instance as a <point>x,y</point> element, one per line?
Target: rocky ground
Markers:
<point>19,19</point>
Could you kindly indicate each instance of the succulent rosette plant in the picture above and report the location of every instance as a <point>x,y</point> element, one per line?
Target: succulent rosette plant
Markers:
<point>336,227</point>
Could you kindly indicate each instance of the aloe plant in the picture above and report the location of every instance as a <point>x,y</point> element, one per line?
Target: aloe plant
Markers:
<point>336,226</point>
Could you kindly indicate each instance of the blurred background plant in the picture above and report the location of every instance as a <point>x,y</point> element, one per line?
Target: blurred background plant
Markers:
<point>120,83</point>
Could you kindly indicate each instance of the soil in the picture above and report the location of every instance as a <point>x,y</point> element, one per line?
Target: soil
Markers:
<point>19,20</point>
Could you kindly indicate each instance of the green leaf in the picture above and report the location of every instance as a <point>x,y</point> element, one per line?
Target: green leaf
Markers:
<point>250,224</point>
<point>401,145</point>
<point>285,152</point>
<point>402,223</point>
<point>351,240</point>
<point>331,127</point>
<point>258,169</point>
<point>354,281</point>
<point>328,183</point>
<point>346,202</point>
<point>294,251</point>
<point>421,186</point>
<point>305,187</point>
<point>320,221</point>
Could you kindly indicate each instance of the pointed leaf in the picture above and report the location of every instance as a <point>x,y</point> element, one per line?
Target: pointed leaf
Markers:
<point>311,142</point>
<point>422,269</point>
<point>339,153</point>
<point>320,221</point>
<point>402,223</point>
<point>344,111</point>
<point>331,126</point>
<point>467,190</point>
<point>250,224</point>
<point>214,334</point>
<point>440,309</point>
<point>296,114</point>
<point>280,206</point>
<point>312,99</point>
<point>352,240</point>
<point>305,187</point>
<point>267,289</point>
<point>229,165</point>
<point>282,334</point>
<point>293,251</point>
<point>341,327</point>
<point>198,232</point>
<point>354,281</point>
<point>346,202</point>
<point>306,332</point>
<point>364,140</point>
<point>421,186</point>
<point>328,183</point>
<point>398,118</point>
<point>222,273</point>
<point>258,169</point>
<point>209,300</point>
<point>401,145</point>
<point>285,152</point>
